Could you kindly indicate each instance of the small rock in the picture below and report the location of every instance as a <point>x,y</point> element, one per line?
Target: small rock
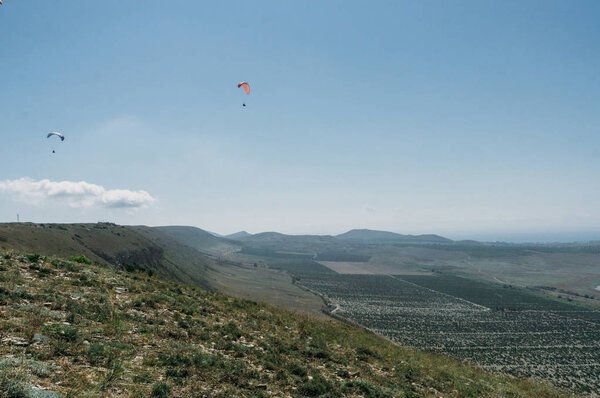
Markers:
<point>39,338</point>
<point>18,341</point>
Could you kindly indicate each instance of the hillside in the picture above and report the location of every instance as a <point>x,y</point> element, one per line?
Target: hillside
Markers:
<point>110,244</point>
<point>385,237</point>
<point>71,329</point>
<point>238,235</point>
<point>200,239</point>
<point>167,251</point>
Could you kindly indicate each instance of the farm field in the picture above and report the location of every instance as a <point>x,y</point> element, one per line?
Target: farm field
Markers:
<point>370,268</point>
<point>498,328</point>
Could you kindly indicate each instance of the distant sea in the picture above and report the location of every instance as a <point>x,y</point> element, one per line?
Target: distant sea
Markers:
<point>530,237</point>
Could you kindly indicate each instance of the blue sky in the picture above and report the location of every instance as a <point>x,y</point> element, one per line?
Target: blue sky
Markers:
<point>475,119</point>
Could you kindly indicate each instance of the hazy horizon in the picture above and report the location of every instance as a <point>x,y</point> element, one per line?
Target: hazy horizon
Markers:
<point>502,236</point>
<point>482,236</point>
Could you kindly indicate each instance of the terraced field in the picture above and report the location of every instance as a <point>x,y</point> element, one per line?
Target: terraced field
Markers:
<point>498,328</point>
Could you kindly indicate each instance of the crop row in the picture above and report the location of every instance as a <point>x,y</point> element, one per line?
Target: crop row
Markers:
<point>508,333</point>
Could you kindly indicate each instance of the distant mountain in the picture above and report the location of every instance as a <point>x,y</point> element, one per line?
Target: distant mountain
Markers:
<point>276,238</point>
<point>385,237</point>
<point>200,239</point>
<point>293,243</point>
<point>238,235</point>
<point>468,242</point>
<point>326,243</point>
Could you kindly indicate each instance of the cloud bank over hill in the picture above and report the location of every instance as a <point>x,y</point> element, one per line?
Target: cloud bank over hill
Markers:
<point>79,194</point>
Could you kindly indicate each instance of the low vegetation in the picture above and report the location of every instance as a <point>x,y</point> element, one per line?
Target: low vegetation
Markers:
<point>73,329</point>
<point>80,259</point>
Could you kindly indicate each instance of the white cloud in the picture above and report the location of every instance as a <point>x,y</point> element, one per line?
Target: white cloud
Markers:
<point>75,194</point>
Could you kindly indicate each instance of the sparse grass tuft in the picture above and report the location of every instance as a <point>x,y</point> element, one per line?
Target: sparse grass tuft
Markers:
<point>80,259</point>
<point>34,258</point>
<point>161,390</point>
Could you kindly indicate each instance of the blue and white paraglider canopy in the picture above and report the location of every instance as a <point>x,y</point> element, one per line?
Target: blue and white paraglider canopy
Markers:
<point>59,135</point>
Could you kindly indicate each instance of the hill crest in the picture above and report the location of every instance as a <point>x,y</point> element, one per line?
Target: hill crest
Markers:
<point>241,235</point>
<point>199,239</point>
<point>111,245</point>
<point>386,237</point>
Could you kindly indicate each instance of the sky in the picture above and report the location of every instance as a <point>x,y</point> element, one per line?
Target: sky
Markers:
<point>470,119</point>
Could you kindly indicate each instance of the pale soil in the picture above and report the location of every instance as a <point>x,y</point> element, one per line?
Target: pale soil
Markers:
<point>346,267</point>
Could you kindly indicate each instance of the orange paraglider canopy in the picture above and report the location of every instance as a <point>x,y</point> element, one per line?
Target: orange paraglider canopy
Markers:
<point>246,87</point>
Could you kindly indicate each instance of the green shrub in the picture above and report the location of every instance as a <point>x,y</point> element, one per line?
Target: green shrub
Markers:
<point>130,268</point>
<point>114,372</point>
<point>95,354</point>
<point>176,359</point>
<point>231,329</point>
<point>364,353</point>
<point>407,372</point>
<point>65,265</point>
<point>161,390</point>
<point>65,333</point>
<point>34,258</point>
<point>315,387</point>
<point>365,389</point>
<point>202,360</point>
<point>144,377</point>
<point>11,388</point>
<point>316,352</point>
<point>177,373</point>
<point>80,259</point>
<point>297,370</point>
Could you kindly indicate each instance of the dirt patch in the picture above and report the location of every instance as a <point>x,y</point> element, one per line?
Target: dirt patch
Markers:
<point>344,267</point>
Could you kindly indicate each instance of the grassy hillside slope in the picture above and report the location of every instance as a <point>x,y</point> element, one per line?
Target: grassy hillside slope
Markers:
<point>76,330</point>
<point>263,284</point>
<point>200,240</point>
<point>167,251</point>
<point>109,244</point>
